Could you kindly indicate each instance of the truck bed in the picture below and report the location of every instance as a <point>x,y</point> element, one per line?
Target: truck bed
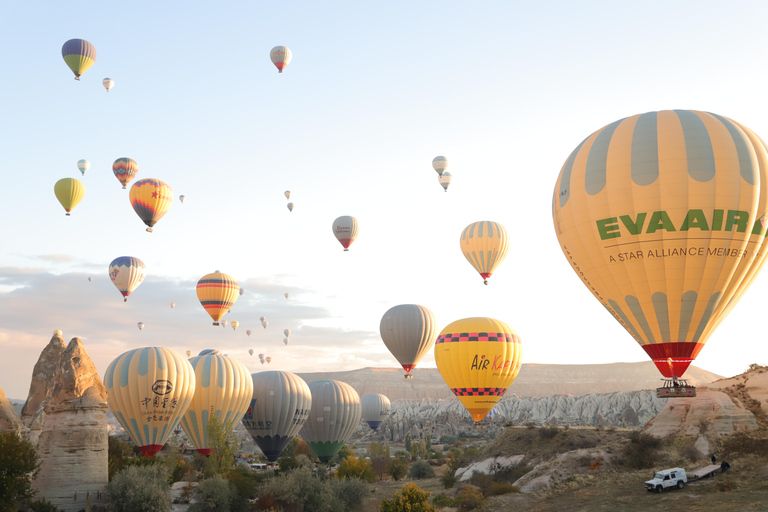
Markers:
<point>706,471</point>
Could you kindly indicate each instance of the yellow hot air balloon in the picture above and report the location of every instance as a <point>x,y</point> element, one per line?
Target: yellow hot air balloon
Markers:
<point>478,359</point>
<point>224,388</point>
<point>663,217</point>
<point>189,353</point>
<point>149,390</point>
<point>151,199</point>
<point>408,331</point>
<point>217,293</point>
<point>69,192</point>
<point>485,244</point>
<point>234,324</point>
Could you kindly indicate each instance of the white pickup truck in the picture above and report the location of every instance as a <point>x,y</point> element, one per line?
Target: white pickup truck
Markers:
<point>667,479</point>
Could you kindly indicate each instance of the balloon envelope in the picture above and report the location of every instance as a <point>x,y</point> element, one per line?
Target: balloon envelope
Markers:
<point>346,229</point>
<point>83,165</point>
<point>268,359</point>
<point>224,323</point>
<point>125,169</point>
<point>182,198</point>
<point>127,273</point>
<point>140,325</point>
<point>79,55</point>
<point>408,331</point>
<point>375,409</point>
<point>223,389</point>
<point>173,304</point>
<point>290,207</point>
<point>69,192</point>
<point>335,413</point>
<point>149,390</point>
<point>485,244</point>
<point>285,341</point>
<point>151,199</point>
<point>440,164</point>
<point>189,353</point>
<point>444,180</point>
<point>279,408</point>
<point>108,83</point>
<point>287,332</point>
<point>217,293</point>
<point>662,216</point>
<point>286,295</point>
<point>248,332</point>
<point>234,324</point>
<point>250,351</point>
<point>478,359</point>
<point>280,56</point>
<point>287,194</point>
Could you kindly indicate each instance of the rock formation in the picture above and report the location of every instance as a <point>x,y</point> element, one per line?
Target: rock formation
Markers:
<point>32,414</point>
<point>73,444</point>
<point>9,420</point>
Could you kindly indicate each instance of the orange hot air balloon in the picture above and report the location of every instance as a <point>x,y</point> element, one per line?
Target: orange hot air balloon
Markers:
<point>217,293</point>
<point>478,359</point>
<point>151,199</point>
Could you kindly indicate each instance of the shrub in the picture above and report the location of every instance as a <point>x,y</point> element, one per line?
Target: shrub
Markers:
<point>642,451</point>
<point>352,467</point>
<point>42,505</point>
<point>548,432</point>
<point>411,499</point>
<point>511,474</point>
<point>420,470</point>
<point>741,443</point>
<point>18,466</point>
<point>212,495</point>
<point>469,498</point>
<point>481,481</point>
<point>441,500</point>
<point>299,490</point>
<point>448,479</point>
<point>498,488</point>
<point>142,488</point>
<point>350,492</point>
<point>398,468</point>
<point>245,484</point>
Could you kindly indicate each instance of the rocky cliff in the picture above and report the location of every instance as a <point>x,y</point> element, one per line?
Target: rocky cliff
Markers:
<point>9,420</point>
<point>32,414</point>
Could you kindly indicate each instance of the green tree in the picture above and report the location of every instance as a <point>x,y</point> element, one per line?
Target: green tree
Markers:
<point>223,444</point>
<point>350,492</point>
<point>429,444</point>
<point>290,447</point>
<point>375,449</point>
<point>379,459</point>
<point>408,442</point>
<point>411,499</point>
<point>213,495</point>
<point>18,466</point>
<point>302,448</point>
<point>343,453</point>
<point>387,451</point>
<point>420,470</point>
<point>299,491</point>
<point>352,467</point>
<point>142,488</point>
<point>398,468</point>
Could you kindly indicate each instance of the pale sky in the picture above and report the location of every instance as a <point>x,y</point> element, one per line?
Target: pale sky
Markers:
<point>505,90</point>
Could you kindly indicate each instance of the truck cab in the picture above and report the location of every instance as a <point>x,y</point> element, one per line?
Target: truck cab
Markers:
<point>667,479</point>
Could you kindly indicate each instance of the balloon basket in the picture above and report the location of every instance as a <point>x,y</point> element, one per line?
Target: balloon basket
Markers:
<point>408,376</point>
<point>149,230</point>
<point>67,214</point>
<point>125,299</point>
<point>675,388</point>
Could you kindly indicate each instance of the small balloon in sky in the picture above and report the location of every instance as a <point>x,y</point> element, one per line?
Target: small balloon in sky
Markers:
<point>248,332</point>
<point>182,197</point>
<point>287,194</point>
<point>268,359</point>
<point>265,324</point>
<point>83,165</point>
<point>173,304</point>
<point>140,325</point>
<point>126,273</point>
<point>440,164</point>
<point>287,332</point>
<point>90,279</point>
<point>250,350</point>
<point>290,207</point>
<point>69,192</point>
<point>285,340</point>
<point>485,244</point>
<point>234,324</point>
<point>346,229</point>
<point>125,169</point>
<point>281,56</point>
<point>79,55</point>
<point>262,319</point>
<point>287,295</point>
<point>108,83</point>
<point>189,353</point>
<point>242,291</point>
<point>445,180</point>
<point>224,323</point>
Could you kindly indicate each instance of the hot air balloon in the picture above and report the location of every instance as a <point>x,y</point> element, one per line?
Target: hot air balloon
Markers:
<point>182,198</point>
<point>209,351</point>
<point>125,169</point>
<point>140,325</point>
<point>248,332</point>
<point>287,332</point>
<point>334,415</point>
<point>285,341</point>
<point>408,331</point>
<point>69,192</point>
<point>173,304</point>
<point>290,207</point>
<point>262,319</point>
<point>250,351</point>
<point>346,228</point>
<point>287,194</point>
<point>79,55</point>
<point>663,216</point>
<point>126,273</point>
<point>223,323</point>
<point>217,293</point>
<point>90,279</point>
<point>149,390</point>
<point>265,324</point>
<point>444,180</point>
<point>375,409</point>
<point>108,83</point>
<point>151,199</point>
<point>279,408</point>
<point>189,353</point>
<point>242,291</point>
<point>224,389</point>
<point>261,356</point>
<point>234,324</point>
<point>286,295</point>
<point>440,164</point>
<point>83,165</point>
<point>268,359</point>
<point>485,244</point>
<point>281,56</point>
<point>478,359</point>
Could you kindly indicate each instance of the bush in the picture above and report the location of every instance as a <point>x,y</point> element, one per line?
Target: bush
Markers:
<point>548,432</point>
<point>411,499</point>
<point>441,500</point>
<point>350,492</point>
<point>511,474</point>
<point>448,479</point>
<point>18,466</point>
<point>642,451</point>
<point>42,505</point>
<point>420,470</point>
<point>142,488</point>
<point>245,485</point>
<point>741,443</point>
<point>352,467</point>
<point>499,488</point>
<point>212,495</point>
<point>469,498</point>
<point>299,490</point>
<point>398,468</point>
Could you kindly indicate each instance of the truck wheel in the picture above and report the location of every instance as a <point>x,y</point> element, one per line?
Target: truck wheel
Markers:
<point>659,489</point>
<point>680,484</point>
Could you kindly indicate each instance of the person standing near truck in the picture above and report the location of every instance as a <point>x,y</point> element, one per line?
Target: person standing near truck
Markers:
<point>714,459</point>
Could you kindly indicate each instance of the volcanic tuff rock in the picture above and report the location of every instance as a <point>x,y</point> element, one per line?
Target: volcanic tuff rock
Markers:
<point>73,444</point>
<point>9,420</point>
<point>32,414</point>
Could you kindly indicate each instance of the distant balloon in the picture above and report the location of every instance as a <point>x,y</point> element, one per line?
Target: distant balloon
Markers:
<point>90,279</point>
<point>485,244</point>
<point>173,304</point>
<point>287,194</point>
<point>262,319</point>
<point>189,353</point>
<point>141,325</point>
<point>250,351</point>
<point>248,332</point>
<point>182,198</point>
<point>290,207</point>
<point>108,83</point>
<point>281,56</point>
<point>287,332</point>
<point>209,351</point>
<point>234,324</point>
<point>83,165</point>
<point>268,359</point>
<point>126,273</point>
<point>445,180</point>
<point>408,331</point>
<point>224,323</point>
<point>79,55</point>
<point>261,356</point>
<point>478,359</point>
<point>217,293</point>
<point>125,169</point>
<point>285,341</point>
<point>265,324</point>
<point>376,408</point>
<point>69,192</point>
<point>224,389</point>
<point>346,228</point>
<point>151,199</point>
<point>440,164</point>
<point>334,416</point>
<point>286,295</point>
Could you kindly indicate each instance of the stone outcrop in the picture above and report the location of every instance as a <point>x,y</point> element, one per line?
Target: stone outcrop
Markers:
<point>74,443</point>
<point>32,414</point>
<point>9,420</point>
